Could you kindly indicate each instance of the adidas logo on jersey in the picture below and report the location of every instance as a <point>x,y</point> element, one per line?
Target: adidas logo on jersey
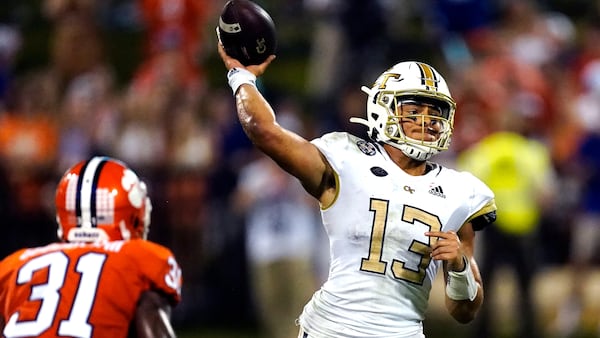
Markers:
<point>437,191</point>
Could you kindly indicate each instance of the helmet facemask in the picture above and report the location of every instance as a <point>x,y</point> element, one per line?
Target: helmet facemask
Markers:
<point>407,113</point>
<point>405,84</point>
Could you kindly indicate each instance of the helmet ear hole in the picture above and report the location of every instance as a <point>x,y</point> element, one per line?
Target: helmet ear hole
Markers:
<point>392,130</point>
<point>138,226</point>
<point>135,222</point>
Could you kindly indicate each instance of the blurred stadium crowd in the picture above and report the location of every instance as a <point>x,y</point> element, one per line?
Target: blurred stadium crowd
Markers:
<point>140,80</point>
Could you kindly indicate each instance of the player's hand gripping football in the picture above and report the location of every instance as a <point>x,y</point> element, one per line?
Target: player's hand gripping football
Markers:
<point>230,62</point>
<point>447,248</point>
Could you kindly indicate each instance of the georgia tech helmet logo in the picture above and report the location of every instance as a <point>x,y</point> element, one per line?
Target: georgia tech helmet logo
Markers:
<point>388,76</point>
<point>261,46</point>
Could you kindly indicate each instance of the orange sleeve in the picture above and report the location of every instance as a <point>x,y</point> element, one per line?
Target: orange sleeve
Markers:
<point>7,267</point>
<point>159,268</point>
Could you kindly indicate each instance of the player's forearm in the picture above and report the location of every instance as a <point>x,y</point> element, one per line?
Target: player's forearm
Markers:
<point>152,319</point>
<point>464,290</point>
<point>158,327</point>
<point>464,311</point>
<point>254,112</point>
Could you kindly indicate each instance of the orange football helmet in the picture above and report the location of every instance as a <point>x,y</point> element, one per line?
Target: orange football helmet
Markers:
<point>102,199</point>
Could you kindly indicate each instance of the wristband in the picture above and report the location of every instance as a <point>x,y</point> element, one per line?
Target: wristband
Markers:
<point>462,285</point>
<point>239,76</point>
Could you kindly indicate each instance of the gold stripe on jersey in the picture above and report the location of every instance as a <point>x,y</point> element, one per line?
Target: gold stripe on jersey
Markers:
<point>489,207</point>
<point>337,191</point>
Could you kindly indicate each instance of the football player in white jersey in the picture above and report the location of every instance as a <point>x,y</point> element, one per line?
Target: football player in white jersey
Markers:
<point>393,217</point>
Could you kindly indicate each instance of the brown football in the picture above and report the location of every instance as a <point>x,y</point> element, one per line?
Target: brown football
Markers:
<point>247,32</point>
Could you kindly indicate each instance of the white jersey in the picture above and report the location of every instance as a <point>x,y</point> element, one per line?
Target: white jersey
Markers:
<point>380,271</point>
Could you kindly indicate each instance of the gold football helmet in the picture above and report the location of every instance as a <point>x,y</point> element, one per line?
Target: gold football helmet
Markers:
<point>413,82</point>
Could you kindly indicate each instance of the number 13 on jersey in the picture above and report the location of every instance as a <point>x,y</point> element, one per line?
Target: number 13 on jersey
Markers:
<point>374,262</point>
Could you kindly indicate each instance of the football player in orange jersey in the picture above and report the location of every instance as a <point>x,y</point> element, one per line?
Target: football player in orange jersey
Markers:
<point>103,279</point>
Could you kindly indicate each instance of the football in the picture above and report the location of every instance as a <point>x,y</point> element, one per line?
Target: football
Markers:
<point>247,32</point>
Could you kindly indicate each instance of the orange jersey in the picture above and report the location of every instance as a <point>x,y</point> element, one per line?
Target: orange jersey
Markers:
<point>83,289</point>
